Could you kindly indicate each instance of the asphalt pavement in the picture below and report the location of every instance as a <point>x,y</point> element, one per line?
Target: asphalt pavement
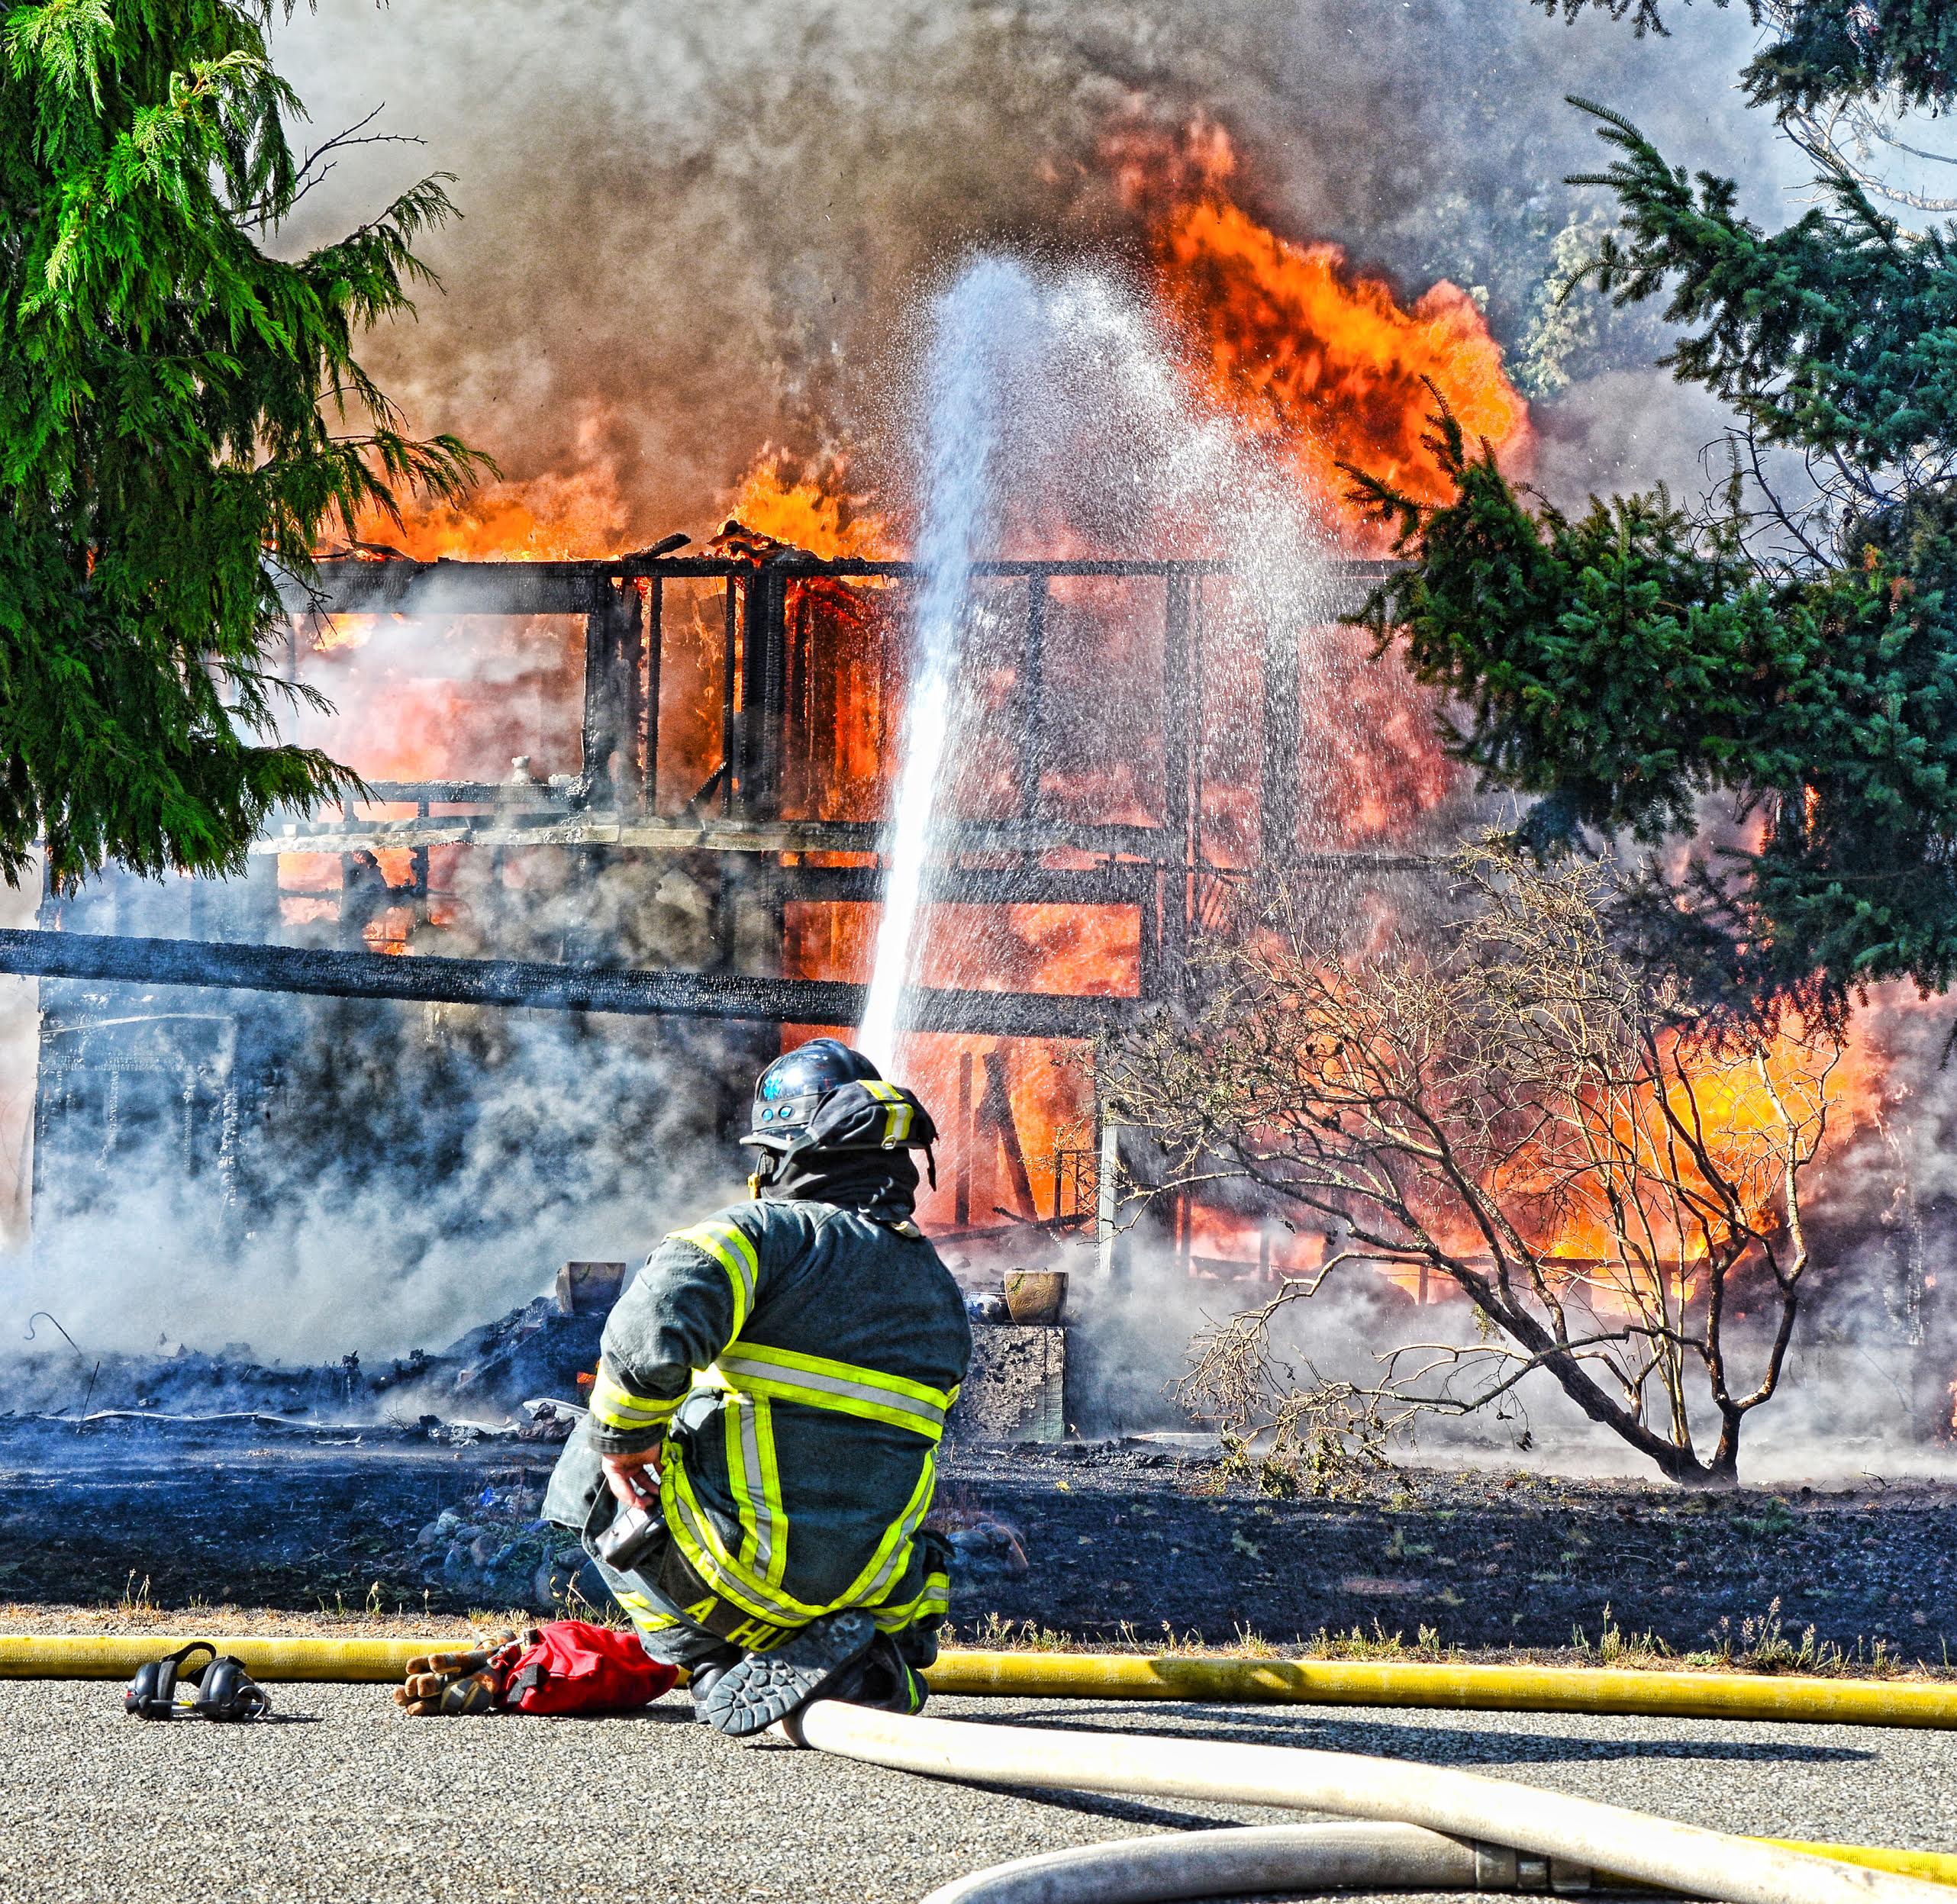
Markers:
<point>350,1802</point>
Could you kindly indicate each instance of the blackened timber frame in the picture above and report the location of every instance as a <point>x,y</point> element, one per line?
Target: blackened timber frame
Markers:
<point>613,801</point>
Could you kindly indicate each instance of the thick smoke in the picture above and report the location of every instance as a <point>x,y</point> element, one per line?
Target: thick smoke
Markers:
<point>691,233</point>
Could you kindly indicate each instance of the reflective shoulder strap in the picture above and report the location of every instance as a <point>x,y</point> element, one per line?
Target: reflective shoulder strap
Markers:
<point>845,1388</point>
<point>729,1246</point>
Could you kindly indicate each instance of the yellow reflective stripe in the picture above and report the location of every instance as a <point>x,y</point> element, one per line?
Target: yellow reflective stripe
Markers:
<point>771,1493</point>
<point>898,1116</point>
<point>704,1551</point>
<point>908,1414</point>
<point>707,1554</point>
<point>845,1387</point>
<point>738,1481</point>
<point>617,1407</point>
<point>757,1487</point>
<point>893,1553</point>
<point>727,1244</point>
<point>938,1398</point>
<point>933,1597</point>
<point>645,1616</point>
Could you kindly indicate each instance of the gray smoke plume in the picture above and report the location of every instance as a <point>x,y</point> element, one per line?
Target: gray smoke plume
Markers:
<point>690,232</point>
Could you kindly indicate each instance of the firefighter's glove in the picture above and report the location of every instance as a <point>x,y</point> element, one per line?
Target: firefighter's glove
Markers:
<point>445,1685</point>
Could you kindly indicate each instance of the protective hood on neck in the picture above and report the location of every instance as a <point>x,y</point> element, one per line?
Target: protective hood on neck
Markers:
<point>883,1186</point>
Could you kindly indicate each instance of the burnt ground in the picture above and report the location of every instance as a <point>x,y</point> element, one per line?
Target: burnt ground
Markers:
<point>1485,1559</point>
<point>1119,1540</point>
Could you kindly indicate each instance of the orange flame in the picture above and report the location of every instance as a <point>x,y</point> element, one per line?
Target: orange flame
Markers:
<point>548,518</point>
<point>1325,365</point>
<point>815,511</point>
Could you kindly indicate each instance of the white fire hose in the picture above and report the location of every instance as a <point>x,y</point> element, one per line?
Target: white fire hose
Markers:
<point>1251,1860</point>
<point>1565,1839</point>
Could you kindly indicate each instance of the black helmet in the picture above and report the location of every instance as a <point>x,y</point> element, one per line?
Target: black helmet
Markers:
<point>792,1088</point>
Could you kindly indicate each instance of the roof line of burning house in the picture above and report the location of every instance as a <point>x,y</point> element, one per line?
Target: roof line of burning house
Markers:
<point>345,584</point>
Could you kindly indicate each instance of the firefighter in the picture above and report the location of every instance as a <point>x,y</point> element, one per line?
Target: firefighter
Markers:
<point>772,1390</point>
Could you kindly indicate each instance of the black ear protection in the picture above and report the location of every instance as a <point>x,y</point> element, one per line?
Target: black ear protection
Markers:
<point>224,1690</point>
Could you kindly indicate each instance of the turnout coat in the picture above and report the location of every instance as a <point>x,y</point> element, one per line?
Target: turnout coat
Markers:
<point>793,1362</point>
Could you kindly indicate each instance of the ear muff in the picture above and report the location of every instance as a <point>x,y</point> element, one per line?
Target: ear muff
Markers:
<point>152,1694</point>
<point>226,1692</point>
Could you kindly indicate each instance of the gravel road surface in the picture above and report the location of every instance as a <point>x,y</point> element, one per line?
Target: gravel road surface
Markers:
<point>359,1805</point>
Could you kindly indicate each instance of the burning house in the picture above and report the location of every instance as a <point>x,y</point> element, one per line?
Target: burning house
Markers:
<point>716,855</point>
<point>629,818</point>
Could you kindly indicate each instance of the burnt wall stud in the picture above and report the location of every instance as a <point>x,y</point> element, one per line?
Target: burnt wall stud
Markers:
<point>764,691</point>
<point>1177,702</point>
<point>628,665</point>
<point>1277,808</point>
<point>729,664</point>
<point>1032,695</point>
<point>649,726</point>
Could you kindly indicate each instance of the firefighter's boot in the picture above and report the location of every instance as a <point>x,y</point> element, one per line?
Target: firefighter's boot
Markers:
<point>879,1676</point>
<point>760,1688</point>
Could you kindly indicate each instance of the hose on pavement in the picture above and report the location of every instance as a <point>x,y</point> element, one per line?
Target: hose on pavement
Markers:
<point>1250,1859</point>
<point>1243,1860</point>
<point>1452,1815</point>
<point>1552,1826</point>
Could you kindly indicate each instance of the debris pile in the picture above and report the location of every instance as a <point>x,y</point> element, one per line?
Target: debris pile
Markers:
<point>535,1350</point>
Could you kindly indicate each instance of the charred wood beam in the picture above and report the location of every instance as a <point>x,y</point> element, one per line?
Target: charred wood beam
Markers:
<point>348,585</point>
<point>1032,698</point>
<point>520,820</point>
<point>764,692</point>
<point>1170,937</point>
<point>649,696</point>
<point>533,984</point>
<point>612,638</point>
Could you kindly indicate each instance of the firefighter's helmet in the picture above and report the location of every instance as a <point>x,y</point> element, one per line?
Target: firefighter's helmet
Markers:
<point>823,1096</point>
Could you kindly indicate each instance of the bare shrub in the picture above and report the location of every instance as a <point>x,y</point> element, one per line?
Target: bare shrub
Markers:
<point>1531,1114</point>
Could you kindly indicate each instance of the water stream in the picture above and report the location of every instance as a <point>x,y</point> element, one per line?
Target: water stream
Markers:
<point>984,328</point>
<point>1055,414</point>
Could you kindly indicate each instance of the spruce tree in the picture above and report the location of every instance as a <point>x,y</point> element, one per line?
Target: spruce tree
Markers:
<point>181,413</point>
<point>1794,644</point>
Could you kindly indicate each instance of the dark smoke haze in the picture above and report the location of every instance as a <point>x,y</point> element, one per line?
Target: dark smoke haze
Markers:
<point>690,232</point>
<point>693,233</point>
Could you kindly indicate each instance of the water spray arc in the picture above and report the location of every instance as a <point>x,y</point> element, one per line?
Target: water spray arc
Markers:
<point>984,342</point>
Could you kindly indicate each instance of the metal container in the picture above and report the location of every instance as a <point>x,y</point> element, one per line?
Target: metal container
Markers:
<point>588,1289</point>
<point>1036,1295</point>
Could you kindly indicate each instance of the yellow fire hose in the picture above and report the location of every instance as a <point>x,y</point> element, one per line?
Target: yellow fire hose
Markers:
<point>1741,1697</point>
<point>1489,1689</point>
<point>1182,1677</point>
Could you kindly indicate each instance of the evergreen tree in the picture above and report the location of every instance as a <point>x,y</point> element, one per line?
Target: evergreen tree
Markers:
<point>1795,645</point>
<point>180,414</point>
